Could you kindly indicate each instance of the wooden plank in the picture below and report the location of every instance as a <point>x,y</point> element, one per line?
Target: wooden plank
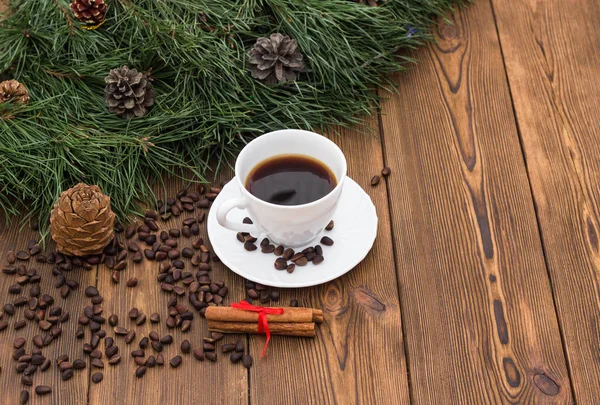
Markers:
<point>358,354</point>
<point>192,382</point>
<point>551,51</point>
<point>12,237</point>
<point>479,318</point>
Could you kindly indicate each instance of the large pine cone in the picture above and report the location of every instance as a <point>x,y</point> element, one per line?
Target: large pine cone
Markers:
<point>91,12</point>
<point>12,90</point>
<point>82,221</point>
<point>128,92</point>
<point>275,59</point>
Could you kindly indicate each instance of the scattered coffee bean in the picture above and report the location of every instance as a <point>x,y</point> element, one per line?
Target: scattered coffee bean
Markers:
<point>302,261</point>
<point>18,343</point>
<point>113,320</point>
<point>228,347</point>
<point>21,324</point>
<point>375,180</point>
<point>79,364</point>
<point>140,371</point>
<point>239,346</point>
<point>268,249</point>
<point>97,363</point>
<point>247,360</point>
<point>97,377</point>
<point>211,356</point>
<point>186,346</point>
<point>386,171</point>
<point>327,241</point>
<point>236,357</point>
<point>116,359</point>
<point>132,282</point>
<point>15,289</point>
<point>249,246</point>
<point>274,295</point>
<point>43,390</point>
<point>198,354</point>
<point>130,336</point>
<point>91,291</point>
<point>280,263</point>
<point>252,294</point>
<point>24,397</point>
<point>22,255</point>
<point>137,353</point>
<point>217,336</point>
<point>155,318</point>
<point>175,361</point>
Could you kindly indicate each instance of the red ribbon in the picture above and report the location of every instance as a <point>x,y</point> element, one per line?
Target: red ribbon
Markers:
<point>263,325</point>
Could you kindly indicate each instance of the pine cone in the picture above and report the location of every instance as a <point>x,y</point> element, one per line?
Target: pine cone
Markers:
<point>128,93</point>
<point>12,90</point>
<point>91,12</point>
<point>82,221</point>
<point>275,59</point>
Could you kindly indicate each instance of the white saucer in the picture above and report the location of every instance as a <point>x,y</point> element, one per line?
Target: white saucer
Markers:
<point>354,233</point>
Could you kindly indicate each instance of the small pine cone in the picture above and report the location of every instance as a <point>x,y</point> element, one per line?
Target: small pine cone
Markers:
<point>12,90</point>
<point>82,221</point>
<point>91,12</point>
<point>128,92</point>
<point>275,59</point>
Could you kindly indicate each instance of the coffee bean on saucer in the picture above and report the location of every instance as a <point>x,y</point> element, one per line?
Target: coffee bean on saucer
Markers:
<point>301,261</point>
<point>291,267</point>
<point>249,246</point>
<point>288,253</point>
<point>247,220</point>
<point>268,249</point>
<point>319,250</point>
<point>318,259</point>
<point>278,250</point>
<point>264,242</point>
<point>280,263</point>
<point>386,171</point>
<point>327,241</point>
<point>375,180</point>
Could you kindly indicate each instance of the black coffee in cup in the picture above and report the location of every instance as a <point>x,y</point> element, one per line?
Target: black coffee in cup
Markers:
<point>290,180</point>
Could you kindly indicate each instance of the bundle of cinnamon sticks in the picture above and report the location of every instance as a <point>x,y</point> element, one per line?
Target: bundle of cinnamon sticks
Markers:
<point>294,321</point>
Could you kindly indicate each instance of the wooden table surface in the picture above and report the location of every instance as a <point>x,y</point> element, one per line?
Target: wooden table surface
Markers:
<point>483,285</point>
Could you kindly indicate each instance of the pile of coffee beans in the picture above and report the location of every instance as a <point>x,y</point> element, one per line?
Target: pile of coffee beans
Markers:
<point>139,242</point>
<point>313,254</point>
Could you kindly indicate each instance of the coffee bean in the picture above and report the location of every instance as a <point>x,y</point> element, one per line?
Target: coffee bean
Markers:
<point>113,320</point>
<point>375,180</point>
<point>24,397</point>
<point>186,325</point>
<point>236,357</point>
<point>239,346</point>
<point>279,250</point>
<point>96,354</point>
<point>211,356</point>
<point>21,324</point>
<point>65,365</point>
<point>91,291</point>
<point>8,309</point>
<point>187,252</point>
<point>120,330</point>
<point>264,297</point>
<point>138,353</point>
<point>249,246</point>
<point>79,364</point>
<point>111,351</point>
<point>252,294</point>
<point>386,171</point>
<point>155,317</point>
<point>179,264</point>
<point>18,343</point>
<point>175,361</point>
<point>15,289</point>
<point>42,390</point>
<point>114,360</point>
<point>97,377</point>
<point>274,295</point>
<point>329,226</point>
<point>130,336</point>
<point>327,241</point>
<point>302,261</point>
<point>318,259</point>
<point>132,282</point>
<point>167,340</point>
<point>186,346</point>
<point>268,249</point>
<point>228,347</point>
<point>22,255</point>
<point>45,365</point>
<point>280,264</point>
<point>97,363</point>
<point>247,360</point>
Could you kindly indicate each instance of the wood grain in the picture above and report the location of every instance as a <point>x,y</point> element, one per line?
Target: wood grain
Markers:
<point>194,381</point>
<point>358,354</point>
<point>476,301</point>
<point>552,56</point>
<point>74,391</point>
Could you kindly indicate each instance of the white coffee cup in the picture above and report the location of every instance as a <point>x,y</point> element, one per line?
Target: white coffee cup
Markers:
<point>287,225</point>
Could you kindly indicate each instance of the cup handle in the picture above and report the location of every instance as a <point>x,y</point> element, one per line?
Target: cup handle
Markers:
<point>223,210</point>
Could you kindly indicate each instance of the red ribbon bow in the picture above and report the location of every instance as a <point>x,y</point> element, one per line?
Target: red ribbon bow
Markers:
<point>263,325</point>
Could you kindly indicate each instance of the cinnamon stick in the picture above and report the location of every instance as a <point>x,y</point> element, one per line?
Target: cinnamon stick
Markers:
<point>290,315</point>
<point>285,329</point>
